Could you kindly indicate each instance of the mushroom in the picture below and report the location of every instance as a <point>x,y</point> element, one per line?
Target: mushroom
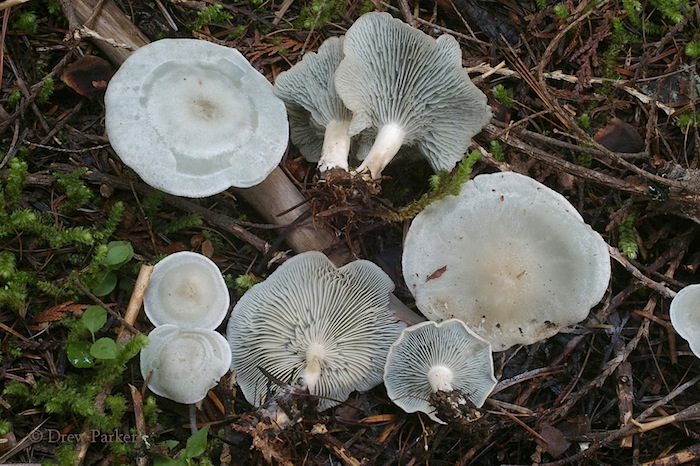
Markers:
<point>432,357</point>
<point>318,118</point>
<point>508,256</point>
<point>412,89</point>
<point>187,290</point>
<point>685,316</point>
<point>327,328</point>
<point>193,118</point>
<point>182,365</point>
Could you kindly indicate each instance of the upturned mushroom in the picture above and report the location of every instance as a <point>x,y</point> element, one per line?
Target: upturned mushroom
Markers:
<point>411,89</point>
<point>194,118</point>
<point>508,256</point>
<point>324,328</point>
<point>187,290</point>
<point>685,316</point>
<point>183,365</point>
<point>435,357</point>
<point>319,120</point>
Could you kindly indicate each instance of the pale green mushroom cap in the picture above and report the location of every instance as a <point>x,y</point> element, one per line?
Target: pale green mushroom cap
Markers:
<point>194,118</point>
<point>685,316</point>
<point>186,289</point>
<point>184,365</point>
<point>508,256</point>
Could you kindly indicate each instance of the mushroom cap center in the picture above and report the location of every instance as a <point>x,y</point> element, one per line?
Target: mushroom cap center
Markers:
<point>187,293</point>
<point>187,101</point>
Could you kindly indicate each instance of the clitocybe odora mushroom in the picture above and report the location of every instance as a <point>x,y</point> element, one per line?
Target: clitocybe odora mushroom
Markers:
<point>186,289</point>
<point>685,316</point>
<point>184,364</point>
<point>429,358</point>
<point>327,328</point>
<point>193,118</point>
<point>508,256</point>
<point>412,89</point>
<point>319,120</point>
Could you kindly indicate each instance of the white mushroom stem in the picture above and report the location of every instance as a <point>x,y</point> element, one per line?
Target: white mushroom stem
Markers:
<point>440,378</point>
<point>315,354</point>
<point>387,144</point>
<point>336,146</point>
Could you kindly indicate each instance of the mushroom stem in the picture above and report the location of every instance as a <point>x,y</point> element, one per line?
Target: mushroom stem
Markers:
<point>314,362</point>
<point>279,202</point>
<point>336,146</point>
<point>387,144</point>
<point>440,378</point>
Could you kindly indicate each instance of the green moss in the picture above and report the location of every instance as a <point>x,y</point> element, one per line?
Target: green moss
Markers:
<point>627,241</point>
<point>441,184</point>
<point>212,14</point>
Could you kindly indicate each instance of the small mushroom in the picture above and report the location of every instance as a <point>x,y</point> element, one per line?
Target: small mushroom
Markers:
<point>412,89</point>
<point>182,365</point>
<point>429,358</point>
<point>685,316</point>
<point>319,120</point>
<point>327,328</point>
<point>194,118</point>
<point>187,290</point>
<point>508,256</point>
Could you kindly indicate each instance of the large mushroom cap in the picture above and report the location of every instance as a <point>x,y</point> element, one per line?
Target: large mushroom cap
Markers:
<point>316,111</point>
<point>193,118</point>
<point>184,364</point>
<point>685,316</point>
<point>429,357</point>
<point>330,327</point>
<point>411,88</point>
<point>186,289</point>
<point>508,256</point>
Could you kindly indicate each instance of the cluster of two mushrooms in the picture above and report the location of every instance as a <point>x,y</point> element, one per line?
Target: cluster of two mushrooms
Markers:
<point>509,259</point>
<point>186,299</point>
<point>382,86</point>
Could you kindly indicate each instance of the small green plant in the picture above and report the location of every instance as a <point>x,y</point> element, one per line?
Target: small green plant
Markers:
<point>26,22</point>
<point>46,91</point>
<point>561,11</point>
<point>497,150</point>
<point>320,13</point>
<point>77,193</point>
<point>75,395</point>
<point>442,184</point>
<point>13,98</point>
<point>212,14</point>
<point>245,282</point>
<point>685,121</point>
<point>503,95</point>
<point>190,455</point>
<point>102,278</point>
<point>627,241</point>
<point>82,353</point>
<point>692,48</point>
<point>584,121</point>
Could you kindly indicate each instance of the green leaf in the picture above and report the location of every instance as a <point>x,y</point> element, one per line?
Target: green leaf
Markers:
<point>94,318</point>
<point>197,444</point>
<point>78,353</point>
<point>104,348</point>
<point>118,254</point>
<point>105,287</point>
<point>162,460</point>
